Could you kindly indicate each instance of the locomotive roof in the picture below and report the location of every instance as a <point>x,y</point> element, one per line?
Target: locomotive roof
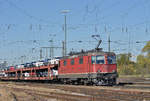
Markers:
<point>87,53</point>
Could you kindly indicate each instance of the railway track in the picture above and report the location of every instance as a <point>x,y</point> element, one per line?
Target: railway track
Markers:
<point>82,93</point>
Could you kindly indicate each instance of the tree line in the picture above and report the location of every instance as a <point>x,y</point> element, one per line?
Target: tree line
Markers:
<point>139,67</point>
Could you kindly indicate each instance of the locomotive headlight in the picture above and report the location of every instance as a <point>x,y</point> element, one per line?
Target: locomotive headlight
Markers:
<point>113,71</point>
<point>99,71</point>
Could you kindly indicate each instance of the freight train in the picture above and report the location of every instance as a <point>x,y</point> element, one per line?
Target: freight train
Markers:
<point>94,67</point>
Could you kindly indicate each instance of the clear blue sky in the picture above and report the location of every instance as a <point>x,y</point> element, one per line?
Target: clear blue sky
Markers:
<point>23,21</point>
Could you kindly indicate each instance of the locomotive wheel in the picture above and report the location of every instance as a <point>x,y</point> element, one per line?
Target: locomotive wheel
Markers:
<point>85,82</point>
<point>100,83</point>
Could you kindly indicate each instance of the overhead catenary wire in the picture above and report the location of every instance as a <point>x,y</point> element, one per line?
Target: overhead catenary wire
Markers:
<point>41,27</point>
<point>23,11</point>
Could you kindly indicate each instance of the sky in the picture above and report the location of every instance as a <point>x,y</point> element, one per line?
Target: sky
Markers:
<point>28,25</point>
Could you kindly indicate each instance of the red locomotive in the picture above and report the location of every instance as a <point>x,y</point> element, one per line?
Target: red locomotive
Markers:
<point>85,67</point>
<point>94,67</point>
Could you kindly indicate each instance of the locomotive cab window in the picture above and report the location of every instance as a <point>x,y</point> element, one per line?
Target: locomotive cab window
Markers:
<point>100,59</point>
<point>111,59</point>
<point>72,62</point>
<point>65,63</point>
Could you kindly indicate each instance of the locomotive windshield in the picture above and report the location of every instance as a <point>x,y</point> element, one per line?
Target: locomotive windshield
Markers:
<point>99,59</point>
<point>111,59</point>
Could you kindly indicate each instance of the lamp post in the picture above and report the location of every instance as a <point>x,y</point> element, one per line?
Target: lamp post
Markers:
<point>65,30</point>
